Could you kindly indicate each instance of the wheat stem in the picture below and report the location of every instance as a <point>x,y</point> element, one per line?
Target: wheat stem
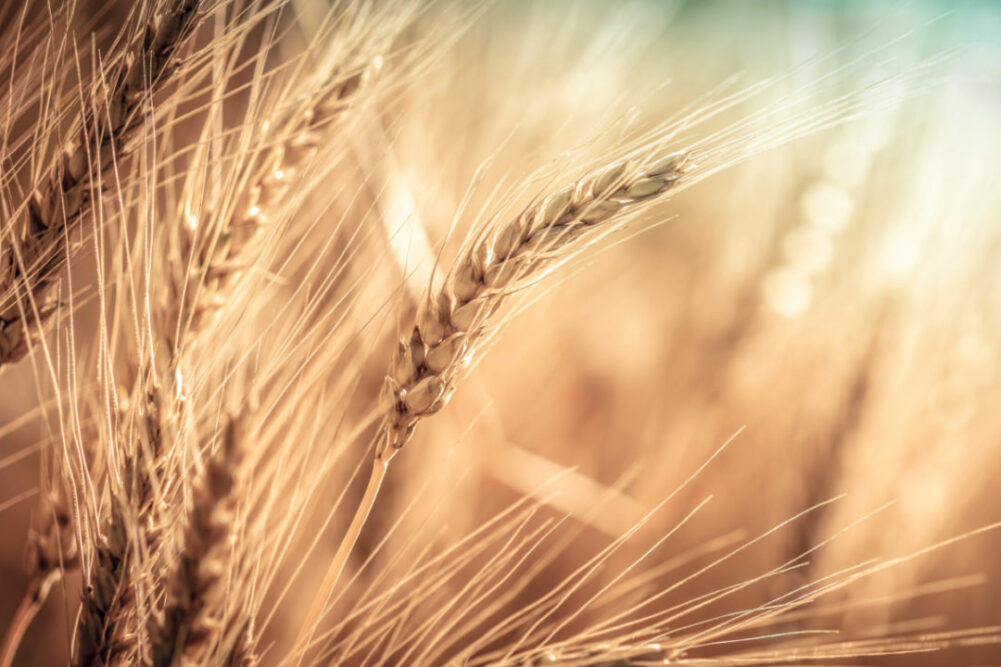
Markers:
<point>26,611</point>
<point>336,567</point>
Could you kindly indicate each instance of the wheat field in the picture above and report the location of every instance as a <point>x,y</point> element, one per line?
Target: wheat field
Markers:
<point>523,332</point>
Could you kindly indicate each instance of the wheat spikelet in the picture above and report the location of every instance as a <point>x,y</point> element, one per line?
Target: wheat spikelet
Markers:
<point>60,201</point>
<point>449,325</point>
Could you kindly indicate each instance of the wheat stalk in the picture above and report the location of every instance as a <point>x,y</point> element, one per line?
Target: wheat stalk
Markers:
<point>128,99</point>
<point>54,209</point>
<point>219,243</point>
<point>111,599</point>
<point>58,204</point>
<point>452,323</point>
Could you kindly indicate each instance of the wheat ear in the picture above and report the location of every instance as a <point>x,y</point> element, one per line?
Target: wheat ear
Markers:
<point>220,258</point>
<point>191,583</point>
<point>451,323</point>
<point>102,613</point>
<point>54,209</point>
<point>449,326</point>
<point>217,246</point>
<point>58,204</point>
<point>217,267</point>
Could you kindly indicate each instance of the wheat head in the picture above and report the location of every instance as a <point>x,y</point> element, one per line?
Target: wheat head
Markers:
<point>450,325</point>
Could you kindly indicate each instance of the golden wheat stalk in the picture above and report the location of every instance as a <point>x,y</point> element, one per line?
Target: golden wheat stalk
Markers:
<point>118,110</point>
<point>453,322</point>
<point>126,103</point>
<point>58,204</point>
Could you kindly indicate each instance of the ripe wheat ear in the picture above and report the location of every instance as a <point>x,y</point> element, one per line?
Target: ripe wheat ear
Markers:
<point>182,627</point>
<point>123,109</point>
<point>450,325</point>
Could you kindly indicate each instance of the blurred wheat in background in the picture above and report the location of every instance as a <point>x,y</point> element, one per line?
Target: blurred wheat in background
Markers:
<point>520,333</point>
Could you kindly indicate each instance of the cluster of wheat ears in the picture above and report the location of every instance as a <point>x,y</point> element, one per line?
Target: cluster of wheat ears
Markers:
<point>194,267</point>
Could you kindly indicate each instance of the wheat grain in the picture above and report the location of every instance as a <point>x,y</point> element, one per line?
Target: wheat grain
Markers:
<point>50,545</point>
<point>56,207</point>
